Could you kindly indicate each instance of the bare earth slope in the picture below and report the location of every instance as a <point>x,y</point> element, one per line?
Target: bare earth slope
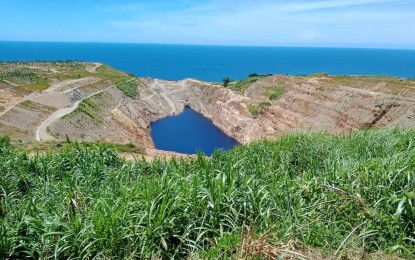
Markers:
<point>81,101</point>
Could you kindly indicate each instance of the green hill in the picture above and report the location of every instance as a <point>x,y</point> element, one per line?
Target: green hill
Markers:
<point>338,195</point>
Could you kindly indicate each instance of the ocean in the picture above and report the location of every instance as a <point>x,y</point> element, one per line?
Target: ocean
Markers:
<point>213,63</point>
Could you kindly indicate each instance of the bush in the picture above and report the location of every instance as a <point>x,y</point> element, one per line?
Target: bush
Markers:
<point>226,81</point>
<point>253,110</point>
<point>264,104</point>
<point>276,93</point>
<point>128,88</point>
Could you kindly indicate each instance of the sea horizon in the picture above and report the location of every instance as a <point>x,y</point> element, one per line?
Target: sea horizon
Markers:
<point>404,48</point>
<point>214,62</point>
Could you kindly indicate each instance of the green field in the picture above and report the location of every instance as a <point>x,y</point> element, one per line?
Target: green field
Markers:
<point>341,195</point>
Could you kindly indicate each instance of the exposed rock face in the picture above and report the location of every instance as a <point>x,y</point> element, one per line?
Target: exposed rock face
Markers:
<point>307,104</point>
<point>92,108</point>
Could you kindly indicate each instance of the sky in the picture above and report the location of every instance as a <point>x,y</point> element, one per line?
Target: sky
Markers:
<point>320,23</point>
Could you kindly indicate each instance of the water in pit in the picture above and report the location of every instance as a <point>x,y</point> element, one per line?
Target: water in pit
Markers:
<point>188,133</point>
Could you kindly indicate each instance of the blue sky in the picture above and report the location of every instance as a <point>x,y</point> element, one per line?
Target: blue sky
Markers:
<point>342,23</point>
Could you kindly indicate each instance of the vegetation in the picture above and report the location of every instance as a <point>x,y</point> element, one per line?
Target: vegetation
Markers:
<point>243,84</point>
<point>128,88</point>
<point>226,82</point>
<point>115,76</point>
<point>127,148</point>
<point>254,75</point>
<point>332,192</point>
<point>85,107</point>
<point>90,109</point>
<point>35,75</point>
<point>28,104</point>
<point>103,72</point>
<point>320,74</point>
<point>31,76</point>
<point>55,146</point>
<point>264,104</point>
<point>276,92</point>
<point>48,65</point>
<point>25,77</point>
<point>253,110</point>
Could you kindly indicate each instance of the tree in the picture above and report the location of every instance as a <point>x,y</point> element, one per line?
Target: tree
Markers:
<point>226,81</point>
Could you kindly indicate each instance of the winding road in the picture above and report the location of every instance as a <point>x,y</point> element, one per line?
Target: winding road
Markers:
<point>41,132</point>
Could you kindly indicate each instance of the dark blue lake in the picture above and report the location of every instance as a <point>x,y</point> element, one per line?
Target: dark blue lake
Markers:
<point>189,132</point>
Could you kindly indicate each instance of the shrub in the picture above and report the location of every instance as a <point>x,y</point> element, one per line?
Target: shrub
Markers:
<point>264,104</point>
<point>226,81</point>
<point>128,88</point>
<point>276,93</point>
<point>253,110</point>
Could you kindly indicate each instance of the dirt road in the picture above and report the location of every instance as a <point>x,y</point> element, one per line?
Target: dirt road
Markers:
<point>42,133</point>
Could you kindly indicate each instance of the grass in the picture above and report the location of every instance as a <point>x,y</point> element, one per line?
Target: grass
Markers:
<point>35,76</point>
<point>276,92</point>
<point>264,104</point>
<point>329,192</point>
<point>85,109</point>
<point>56,146</point>
<point>88,108</point>
<point>253,110</point>
<point>243,84</point>
<point>75,74</point>
<point>128,88</point>
<point>28,104</point>
<point>56,65</point>
<point>115,76</point>
<point>26,77</point>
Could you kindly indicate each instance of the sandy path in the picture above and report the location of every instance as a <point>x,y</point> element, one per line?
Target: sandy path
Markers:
<point>58,87</point>
<point>41,132</point>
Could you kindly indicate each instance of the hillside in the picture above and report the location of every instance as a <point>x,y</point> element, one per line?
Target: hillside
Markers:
<point>305,196</point>
<point>322,190</point>
<point>56,101</point>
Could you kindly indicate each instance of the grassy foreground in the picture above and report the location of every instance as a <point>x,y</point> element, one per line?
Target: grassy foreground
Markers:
<point>347,194</point>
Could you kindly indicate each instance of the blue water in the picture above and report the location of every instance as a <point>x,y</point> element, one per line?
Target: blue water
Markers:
<point>189,132</point>
<point>212,63</point>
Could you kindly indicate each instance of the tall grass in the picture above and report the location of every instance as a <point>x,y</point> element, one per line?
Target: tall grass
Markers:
<point>323,190</point>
